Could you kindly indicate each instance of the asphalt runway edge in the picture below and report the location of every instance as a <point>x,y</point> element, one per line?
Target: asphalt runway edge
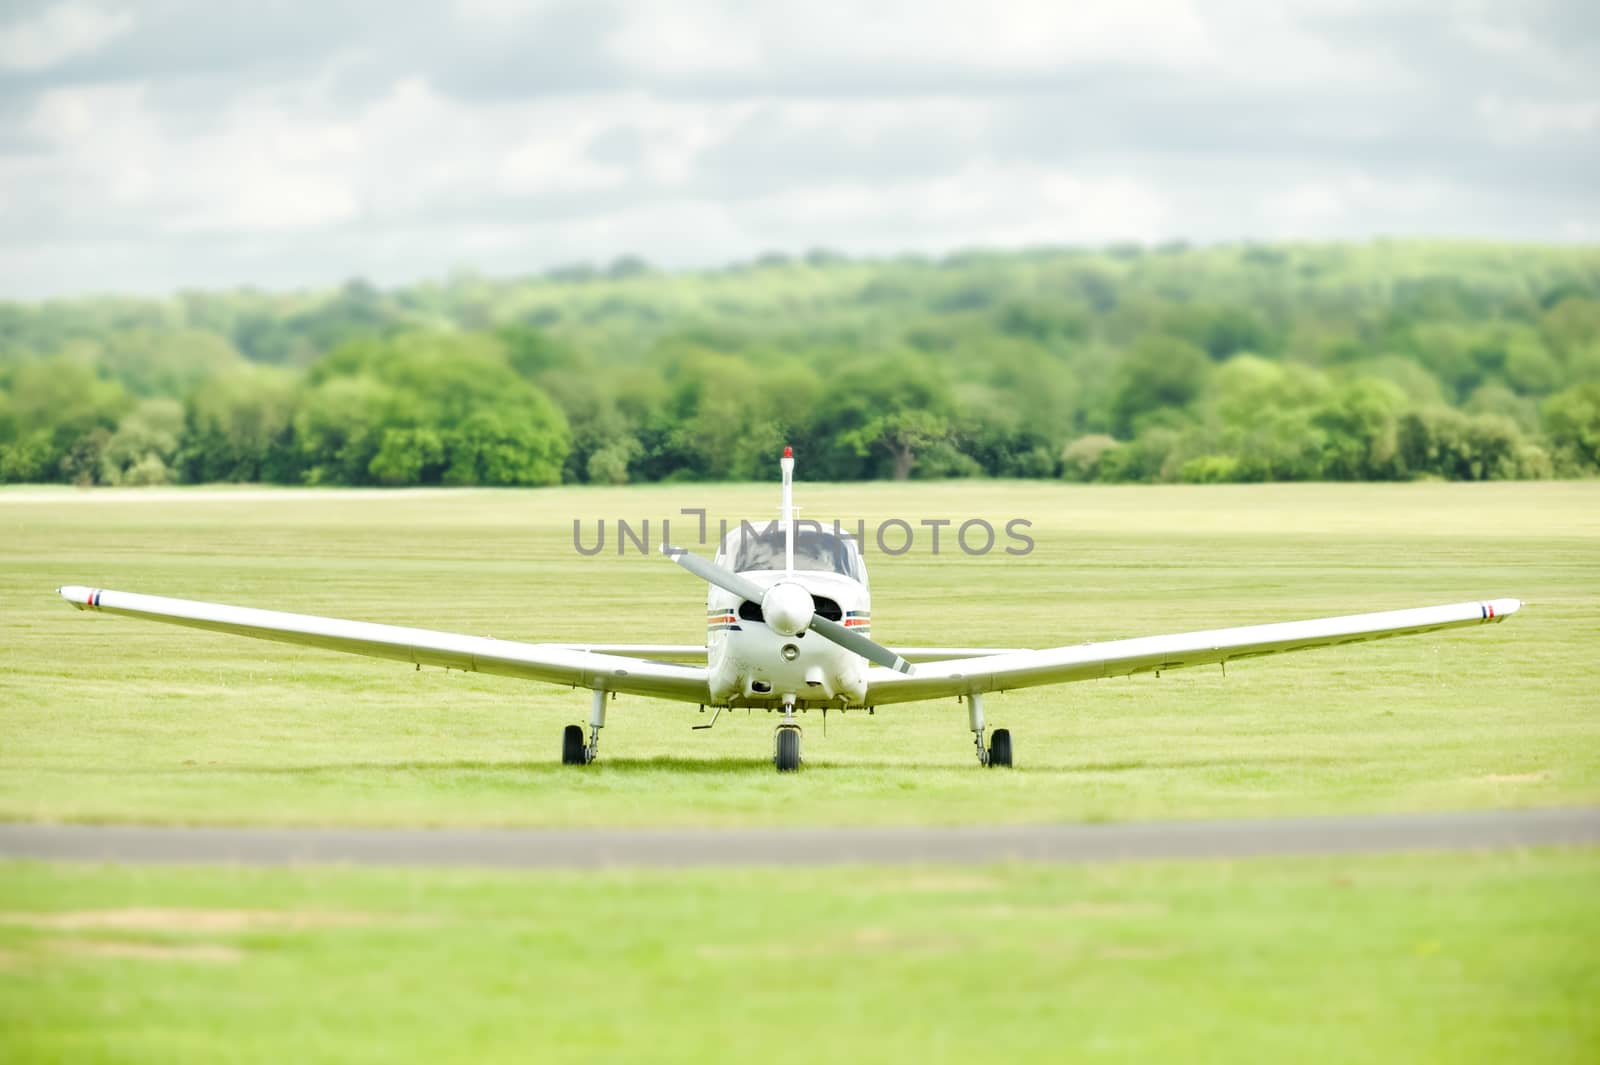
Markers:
<point>677,848</point>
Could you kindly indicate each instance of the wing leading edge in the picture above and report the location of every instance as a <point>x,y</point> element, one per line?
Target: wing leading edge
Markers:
<point>478,654</point>
<point>1119,658</point>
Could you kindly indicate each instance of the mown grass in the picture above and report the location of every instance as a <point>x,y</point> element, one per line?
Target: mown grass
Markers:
<point>110,719</point>
<point>1401,958</point>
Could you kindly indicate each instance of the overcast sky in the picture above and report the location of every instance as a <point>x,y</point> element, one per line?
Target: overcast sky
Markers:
<point>157,144</point>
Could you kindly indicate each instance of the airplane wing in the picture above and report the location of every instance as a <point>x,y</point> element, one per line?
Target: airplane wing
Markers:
<point>655,652</point>
<point>936,654</point>
<point>1120,658</point>
<point>554,663</point>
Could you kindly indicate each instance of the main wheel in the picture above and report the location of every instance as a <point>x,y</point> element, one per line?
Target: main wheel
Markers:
<point>1000,747</point>
<point>786,751</point>
<point>572,752</point>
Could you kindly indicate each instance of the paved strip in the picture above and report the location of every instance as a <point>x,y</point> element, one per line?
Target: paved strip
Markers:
<point>683,848</point>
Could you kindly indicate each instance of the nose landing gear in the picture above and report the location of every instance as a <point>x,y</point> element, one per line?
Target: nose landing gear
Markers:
<point>786,741</point>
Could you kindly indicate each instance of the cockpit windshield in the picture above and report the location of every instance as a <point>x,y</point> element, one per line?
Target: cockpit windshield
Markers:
<point>761,548</point>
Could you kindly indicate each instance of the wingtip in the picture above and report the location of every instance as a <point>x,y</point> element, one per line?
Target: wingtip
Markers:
<point>1503,608</point>
<point>77,595</point>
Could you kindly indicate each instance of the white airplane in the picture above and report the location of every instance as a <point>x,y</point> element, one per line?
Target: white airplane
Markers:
<point>787,621</point>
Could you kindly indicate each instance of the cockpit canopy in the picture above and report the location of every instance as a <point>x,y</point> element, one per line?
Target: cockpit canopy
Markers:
<point>760,547</point>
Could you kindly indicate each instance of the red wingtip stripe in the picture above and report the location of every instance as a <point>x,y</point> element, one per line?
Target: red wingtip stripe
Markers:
<point>1491,609</point>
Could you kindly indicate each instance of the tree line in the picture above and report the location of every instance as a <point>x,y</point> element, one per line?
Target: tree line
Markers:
<point>1388,360</point>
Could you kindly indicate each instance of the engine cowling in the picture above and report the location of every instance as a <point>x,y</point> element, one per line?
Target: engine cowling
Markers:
<point>787,608</point>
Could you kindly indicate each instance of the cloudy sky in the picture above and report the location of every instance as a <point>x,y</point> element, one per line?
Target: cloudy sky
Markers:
<point>147,145</point>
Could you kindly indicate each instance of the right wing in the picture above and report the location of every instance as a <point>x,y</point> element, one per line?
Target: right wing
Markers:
<point>944,654</point>
<point>1146,654</point>
<point>473,654</point>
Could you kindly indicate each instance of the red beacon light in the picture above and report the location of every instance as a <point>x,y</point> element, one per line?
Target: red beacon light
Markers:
<point>788,452</point>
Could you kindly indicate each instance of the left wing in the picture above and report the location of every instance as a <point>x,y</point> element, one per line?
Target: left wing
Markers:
<point>655,652</point>
<point>1119,658</point>
<point>474,654</point>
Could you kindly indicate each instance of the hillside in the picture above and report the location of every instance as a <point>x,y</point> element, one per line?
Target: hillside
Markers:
<point>1379,361</point>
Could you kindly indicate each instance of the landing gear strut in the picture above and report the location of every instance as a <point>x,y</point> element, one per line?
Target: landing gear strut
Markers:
<point>573,750</point>
<point>998,753</point>
<point>786,741</point>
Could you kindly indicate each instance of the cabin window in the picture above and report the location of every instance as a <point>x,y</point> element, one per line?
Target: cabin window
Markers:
<point>762,548</point>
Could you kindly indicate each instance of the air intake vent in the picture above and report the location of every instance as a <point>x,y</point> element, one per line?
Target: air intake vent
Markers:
<point>826,608</point>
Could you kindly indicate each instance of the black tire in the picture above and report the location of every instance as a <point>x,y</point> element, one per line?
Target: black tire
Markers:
<point>786,753</point>
<point>1000,747</point>
<point>572,752</point>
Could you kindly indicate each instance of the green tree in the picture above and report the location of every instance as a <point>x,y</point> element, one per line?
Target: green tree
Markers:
<point>238,427</point>
<point>1460,447</point>
<point>408,456</point>
<point>142,450</point>
<point>453,398</point>
<point>339,427</point>
<point>1361,429</point>
<point>1081,459</point>
<point>1572,418</point>
<point>900,435</point>
<point>499,449</point>
<point>1160,374</point>
<point>57,421</point>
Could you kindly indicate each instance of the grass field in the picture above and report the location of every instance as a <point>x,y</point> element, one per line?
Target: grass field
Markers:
<point>1438,958</point>
<point>110,719</point>
<point>1400,958</point>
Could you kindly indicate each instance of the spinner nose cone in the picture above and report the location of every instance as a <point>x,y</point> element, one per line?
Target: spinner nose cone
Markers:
<point>787,608</point>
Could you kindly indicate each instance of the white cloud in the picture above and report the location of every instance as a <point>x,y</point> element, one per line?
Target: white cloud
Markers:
<point>811,40</point>
<point>59,33</point>
<point>686,40</point>
<point>1324,204</point>
<point>985,202</point>
<point>1525,120</point>
<point>1022,37</point>
<point>282,160</point>
<point>500,11</point>
<point>515,134</point>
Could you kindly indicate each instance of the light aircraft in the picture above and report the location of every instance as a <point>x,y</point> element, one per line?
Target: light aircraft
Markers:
<point>788,617</point>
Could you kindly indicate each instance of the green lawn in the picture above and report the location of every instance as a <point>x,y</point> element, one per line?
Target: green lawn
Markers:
<point>111,719</point>
<point>1404,958</point>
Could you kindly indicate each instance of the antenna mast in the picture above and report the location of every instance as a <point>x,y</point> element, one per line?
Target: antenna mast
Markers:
<point>787,465</point>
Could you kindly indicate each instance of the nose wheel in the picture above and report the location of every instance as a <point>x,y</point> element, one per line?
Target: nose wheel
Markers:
<point>786,741</point>
<point>786,748</point>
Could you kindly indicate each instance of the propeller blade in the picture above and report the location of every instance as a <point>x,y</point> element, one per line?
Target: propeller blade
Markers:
<point>851,640</point>
<point>712,573</point>
<point>745,588</point>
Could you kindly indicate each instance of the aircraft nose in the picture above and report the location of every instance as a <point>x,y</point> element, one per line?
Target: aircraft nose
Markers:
<point>787,608</point>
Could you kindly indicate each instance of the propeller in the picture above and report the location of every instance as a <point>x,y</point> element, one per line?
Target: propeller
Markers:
<point>785,610</point>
